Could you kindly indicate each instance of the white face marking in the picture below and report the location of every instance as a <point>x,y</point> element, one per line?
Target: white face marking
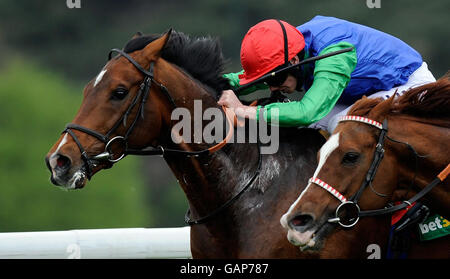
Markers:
<point>325,152</point>
<point>99,77</point>
<point>53,160</point>
<point>64,140</point>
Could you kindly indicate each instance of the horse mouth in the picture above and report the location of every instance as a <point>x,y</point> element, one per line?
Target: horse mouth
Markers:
<point>70,179</point>
<point>312,239</point>
<point>77,181</point>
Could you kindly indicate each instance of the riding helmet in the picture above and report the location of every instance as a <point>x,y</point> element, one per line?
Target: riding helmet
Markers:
<point>263,48</point>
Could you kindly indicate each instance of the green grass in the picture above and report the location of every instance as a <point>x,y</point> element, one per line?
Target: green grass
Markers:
<point>35,105</point>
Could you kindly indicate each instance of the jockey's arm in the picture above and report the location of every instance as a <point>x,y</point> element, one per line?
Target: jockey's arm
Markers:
<point>331,76</point>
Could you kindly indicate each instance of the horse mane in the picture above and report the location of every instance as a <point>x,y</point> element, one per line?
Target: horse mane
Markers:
<point>363,106</point>
<point>201,58</point>
<point>429,102</point>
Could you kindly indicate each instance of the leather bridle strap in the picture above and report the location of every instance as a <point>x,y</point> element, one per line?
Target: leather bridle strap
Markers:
<point>83,152</point>
<point>378,156</point>
<point>132,61</point>
<point>329,188</point>
<point>439,178</point>
<point>147,73</point>
<point>202,220</point>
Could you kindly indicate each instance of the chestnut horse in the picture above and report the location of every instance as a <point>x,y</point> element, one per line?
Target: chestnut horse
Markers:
<point>393,151</point>
<point>127,110</point>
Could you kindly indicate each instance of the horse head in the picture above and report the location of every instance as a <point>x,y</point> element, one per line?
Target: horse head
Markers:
<point>382,157</point>
<point>335,192</point>
<point>111,117</point>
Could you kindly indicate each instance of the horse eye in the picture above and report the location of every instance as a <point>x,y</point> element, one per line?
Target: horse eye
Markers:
<point>119,94</point>
<point>350,158</point>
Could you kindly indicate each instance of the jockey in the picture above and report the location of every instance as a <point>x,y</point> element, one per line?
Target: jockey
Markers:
<point>378,66</point>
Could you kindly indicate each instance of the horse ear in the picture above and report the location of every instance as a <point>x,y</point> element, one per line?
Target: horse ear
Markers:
<point>137,35</point>
<point>153,49</point>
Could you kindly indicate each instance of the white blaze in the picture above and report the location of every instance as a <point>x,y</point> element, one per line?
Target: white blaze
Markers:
<point>325,152</point>
<point>99,77</point>
<point>53,157</point>
<point>64,140</point>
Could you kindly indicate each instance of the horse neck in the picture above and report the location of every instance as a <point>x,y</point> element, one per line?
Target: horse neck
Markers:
<point>208,181</point>
<point>182,88</point>
<point>212,180</point>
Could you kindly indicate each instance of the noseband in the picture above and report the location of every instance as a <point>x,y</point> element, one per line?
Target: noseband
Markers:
<point>348,212</point>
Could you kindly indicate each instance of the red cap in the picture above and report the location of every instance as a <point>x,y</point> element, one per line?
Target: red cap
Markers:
<point>262,48</point>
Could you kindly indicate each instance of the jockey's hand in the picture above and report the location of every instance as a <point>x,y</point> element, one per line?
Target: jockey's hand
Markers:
<point>230,100</point>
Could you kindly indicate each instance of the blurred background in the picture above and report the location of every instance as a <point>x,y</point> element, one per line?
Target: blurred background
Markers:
<point>48,52</point>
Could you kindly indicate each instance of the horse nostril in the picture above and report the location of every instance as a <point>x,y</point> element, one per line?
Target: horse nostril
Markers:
<point>301,222</point>
<point>62,162</point>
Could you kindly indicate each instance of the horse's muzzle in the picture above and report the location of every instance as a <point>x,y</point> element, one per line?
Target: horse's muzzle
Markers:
<point>62,173</point>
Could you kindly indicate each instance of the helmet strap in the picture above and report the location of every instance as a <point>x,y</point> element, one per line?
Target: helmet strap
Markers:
<point>298,74</point>
<point>286,50</point>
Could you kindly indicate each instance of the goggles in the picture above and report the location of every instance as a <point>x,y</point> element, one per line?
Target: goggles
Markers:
<point>277,79</point>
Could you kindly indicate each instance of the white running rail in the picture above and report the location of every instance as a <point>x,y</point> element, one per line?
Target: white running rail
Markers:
<point>134,243</point>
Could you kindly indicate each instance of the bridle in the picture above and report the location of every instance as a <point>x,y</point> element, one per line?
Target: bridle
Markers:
<point>348,212</point>
<point>141,99</point>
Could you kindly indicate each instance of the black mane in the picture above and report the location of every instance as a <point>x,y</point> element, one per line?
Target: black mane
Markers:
<point>202,57</point>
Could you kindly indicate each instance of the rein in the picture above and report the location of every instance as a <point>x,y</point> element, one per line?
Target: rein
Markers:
<point>348,212</point>
<point>204,219</point>
<point>142,96</point>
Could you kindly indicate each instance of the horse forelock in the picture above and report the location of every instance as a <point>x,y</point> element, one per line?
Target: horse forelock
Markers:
<point>201,58</point>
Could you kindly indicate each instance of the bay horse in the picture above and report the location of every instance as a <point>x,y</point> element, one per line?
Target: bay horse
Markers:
<point>236,195</point>
<point>384,151</point>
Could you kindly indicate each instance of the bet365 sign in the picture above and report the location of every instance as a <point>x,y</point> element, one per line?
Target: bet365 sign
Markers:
<point>433,227</point>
